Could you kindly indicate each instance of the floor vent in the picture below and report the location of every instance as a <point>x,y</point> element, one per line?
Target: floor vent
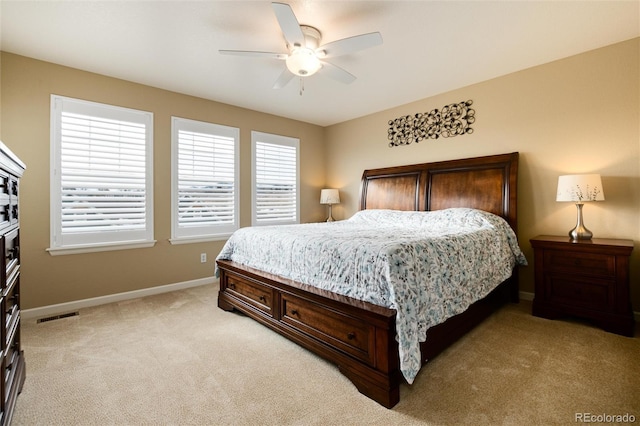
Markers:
<point>56,317</point>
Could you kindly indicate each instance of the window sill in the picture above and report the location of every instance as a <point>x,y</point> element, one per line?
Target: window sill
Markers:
<point>200,239</point>
<point>98,248</point>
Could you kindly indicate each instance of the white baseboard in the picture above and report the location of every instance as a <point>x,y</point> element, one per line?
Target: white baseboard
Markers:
<point>524,295</point>
<point>60,308</point>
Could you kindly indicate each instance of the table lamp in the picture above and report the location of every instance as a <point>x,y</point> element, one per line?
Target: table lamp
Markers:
<point>580,189</point>
<point>329,196</point>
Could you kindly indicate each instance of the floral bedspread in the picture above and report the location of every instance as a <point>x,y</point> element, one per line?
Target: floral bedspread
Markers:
<point>428,266</point>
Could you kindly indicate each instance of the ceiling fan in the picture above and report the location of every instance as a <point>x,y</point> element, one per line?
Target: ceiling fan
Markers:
<point>306,56</point>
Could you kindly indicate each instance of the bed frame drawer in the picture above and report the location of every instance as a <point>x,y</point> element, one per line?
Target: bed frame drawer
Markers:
<point>341,331</point>
<point>252,293</point>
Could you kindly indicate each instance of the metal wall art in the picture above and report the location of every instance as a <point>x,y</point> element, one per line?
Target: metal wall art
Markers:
<point>452,120</point>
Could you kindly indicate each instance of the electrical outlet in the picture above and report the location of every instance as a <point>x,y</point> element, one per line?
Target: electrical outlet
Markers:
<point>203,257</point>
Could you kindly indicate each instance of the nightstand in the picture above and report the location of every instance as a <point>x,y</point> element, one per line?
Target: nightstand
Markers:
<point>587,279</point>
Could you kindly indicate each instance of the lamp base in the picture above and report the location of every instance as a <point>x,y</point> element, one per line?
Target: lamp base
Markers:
<point>580,232</point>
<point>330,218</point>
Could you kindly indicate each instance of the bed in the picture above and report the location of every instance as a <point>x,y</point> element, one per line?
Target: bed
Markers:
<point>363,337</point>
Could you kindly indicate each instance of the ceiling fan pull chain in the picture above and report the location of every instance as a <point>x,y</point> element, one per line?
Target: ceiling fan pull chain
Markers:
<point>301,85</point>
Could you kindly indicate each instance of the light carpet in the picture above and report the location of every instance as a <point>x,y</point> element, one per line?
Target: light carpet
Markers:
<point>176,359</point>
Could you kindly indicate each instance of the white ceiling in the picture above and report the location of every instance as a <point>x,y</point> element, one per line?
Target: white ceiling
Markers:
<point>429,47</point>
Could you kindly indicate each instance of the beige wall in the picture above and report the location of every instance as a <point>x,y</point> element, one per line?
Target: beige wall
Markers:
<point>26,87</point>
<point>577,115</point>
<point>580,114</point>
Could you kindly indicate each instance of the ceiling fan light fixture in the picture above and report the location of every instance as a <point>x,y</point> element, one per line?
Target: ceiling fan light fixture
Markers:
<point>305,55</point>
<point>303,62</point>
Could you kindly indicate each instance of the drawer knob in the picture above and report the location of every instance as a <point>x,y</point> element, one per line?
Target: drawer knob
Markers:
<point>232,286</point>
<point>351,336</point>
<point>294,312</point>
<point>263,299</point>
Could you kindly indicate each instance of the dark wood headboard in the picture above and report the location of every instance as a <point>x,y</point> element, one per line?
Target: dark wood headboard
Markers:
<point>486,183</point>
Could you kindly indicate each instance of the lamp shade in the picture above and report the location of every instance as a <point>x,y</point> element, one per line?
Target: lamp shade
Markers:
<point>580,188</point>
<point>329,196</point>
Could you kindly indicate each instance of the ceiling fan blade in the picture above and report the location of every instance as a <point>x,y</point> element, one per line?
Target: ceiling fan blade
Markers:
<point>289,24</point>
<point>284,78</point>
<point>349,45</point>
<point>337,73</point>
<point>255,54</point>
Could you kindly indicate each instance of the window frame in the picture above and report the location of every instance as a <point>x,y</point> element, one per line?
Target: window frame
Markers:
<point>73,243</point>
<point>273,139</point>
<point>193,234</point>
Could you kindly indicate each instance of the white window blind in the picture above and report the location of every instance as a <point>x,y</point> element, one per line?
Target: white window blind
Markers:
<point>205,179</point>
<point>101,175</point>
<point>275,185</point>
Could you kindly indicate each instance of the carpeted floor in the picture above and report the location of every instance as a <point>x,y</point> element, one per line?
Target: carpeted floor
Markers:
<point>176,359</point>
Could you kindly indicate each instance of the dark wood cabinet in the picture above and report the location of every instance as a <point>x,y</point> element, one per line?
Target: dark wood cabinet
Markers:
<point>12,356</point>
<point>587,279</point>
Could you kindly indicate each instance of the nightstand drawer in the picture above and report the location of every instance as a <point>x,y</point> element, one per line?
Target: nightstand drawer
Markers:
<point>588,293</point>
<point>580,263</point>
